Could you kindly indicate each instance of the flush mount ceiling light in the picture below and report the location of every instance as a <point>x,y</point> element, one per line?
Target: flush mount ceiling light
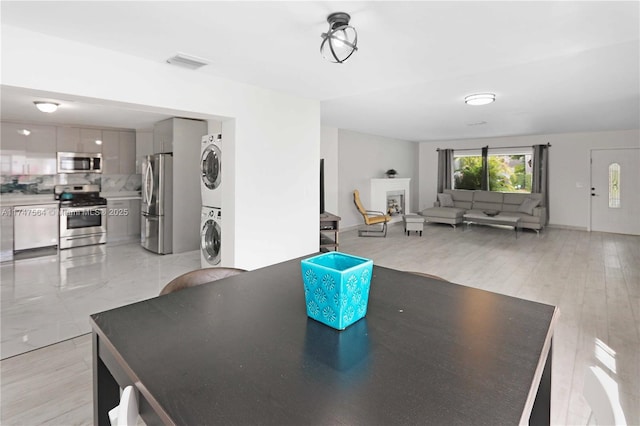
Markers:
<point>24,132</point>
<point>188,61</point>
<point>339,43</point>
<point>46,106</point>
<point>480,99</point>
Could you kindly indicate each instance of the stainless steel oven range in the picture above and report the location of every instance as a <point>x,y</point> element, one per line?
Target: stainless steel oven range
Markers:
<point>83,215</point>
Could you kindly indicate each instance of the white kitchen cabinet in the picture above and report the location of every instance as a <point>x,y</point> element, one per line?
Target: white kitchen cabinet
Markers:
<point>41,150</point>
<point>76,139</point>
<point>33,154</point>
<point>110,152</point>
<point>163,136</point>
<point>144,147</point>
<point>88,138</point>
<point>118,152</point>
<point>35,226</point>
<point>133,227</point>
<point>14,149</point>
<point>123,220</point>
<point>127,152</point>
<point>117,220</point>
<point>68,139</point>
<point>6,230</point>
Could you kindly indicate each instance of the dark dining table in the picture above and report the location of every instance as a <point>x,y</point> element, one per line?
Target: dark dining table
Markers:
<point>242,351</point>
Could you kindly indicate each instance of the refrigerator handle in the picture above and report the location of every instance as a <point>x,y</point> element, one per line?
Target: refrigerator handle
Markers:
<point>150,180</point>
<point>144,183</point>
<point>145,186</point>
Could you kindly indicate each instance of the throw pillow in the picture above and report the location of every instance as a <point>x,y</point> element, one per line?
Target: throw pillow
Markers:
<point>445,200</point>
<point>528,205</point>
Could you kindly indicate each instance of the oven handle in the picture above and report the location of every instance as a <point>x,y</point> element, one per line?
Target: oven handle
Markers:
<point>78,237</point>
<point>65,210</point>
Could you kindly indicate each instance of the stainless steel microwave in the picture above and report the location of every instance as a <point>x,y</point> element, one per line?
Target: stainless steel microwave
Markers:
<point>79,162</point>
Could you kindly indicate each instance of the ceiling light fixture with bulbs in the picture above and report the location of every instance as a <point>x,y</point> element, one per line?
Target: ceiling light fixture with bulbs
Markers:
<point>339,43</point>
<point>480,99</point>
<point>46,106</point>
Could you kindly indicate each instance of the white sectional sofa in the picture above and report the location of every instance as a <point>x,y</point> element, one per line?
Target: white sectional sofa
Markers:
<point>467,201</point>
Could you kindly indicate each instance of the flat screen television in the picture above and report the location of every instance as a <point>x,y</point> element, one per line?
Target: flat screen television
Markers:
<point>321,185</point>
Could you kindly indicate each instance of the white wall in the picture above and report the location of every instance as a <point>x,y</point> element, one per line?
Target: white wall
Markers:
<point>569,168</point>
<point>362,157</point>
<point>277,137</point>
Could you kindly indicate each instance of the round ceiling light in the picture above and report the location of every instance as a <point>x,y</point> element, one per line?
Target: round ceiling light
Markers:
<point>339,43</point>
<point>480,99</point>
<point>46,106</point>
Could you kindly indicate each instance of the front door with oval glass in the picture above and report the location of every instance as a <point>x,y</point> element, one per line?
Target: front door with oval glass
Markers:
<point>615,199</point>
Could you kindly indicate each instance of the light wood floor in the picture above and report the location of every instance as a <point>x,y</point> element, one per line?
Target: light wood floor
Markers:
<point>594,278</point>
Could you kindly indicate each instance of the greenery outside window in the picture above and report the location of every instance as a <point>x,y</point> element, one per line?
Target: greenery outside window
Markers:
<point>509,170</point>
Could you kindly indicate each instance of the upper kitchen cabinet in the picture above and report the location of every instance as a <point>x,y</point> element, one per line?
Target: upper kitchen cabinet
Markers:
<point>75,139</point>
<point>163,136</point>
<point>32,154</point>
<point>119,152</point>
<point>180,130</point>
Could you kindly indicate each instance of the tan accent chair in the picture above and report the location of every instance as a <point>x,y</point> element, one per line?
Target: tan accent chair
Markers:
<point>197,277</point>
<point>371,219</point>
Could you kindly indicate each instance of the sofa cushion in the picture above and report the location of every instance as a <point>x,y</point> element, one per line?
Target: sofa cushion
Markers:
<point>488,197</point>
<point>446,212</point>
<point>528,205</point>
<point>446,200</point>
<point>462,198</point>
<point>513,200</point>
<point>486,200</point>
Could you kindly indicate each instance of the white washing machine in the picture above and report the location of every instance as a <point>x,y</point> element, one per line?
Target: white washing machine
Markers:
<point>210,237</point>
<point>211,170</point>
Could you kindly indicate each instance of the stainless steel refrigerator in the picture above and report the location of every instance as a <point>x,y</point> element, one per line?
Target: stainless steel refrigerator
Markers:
<point>157,203</point>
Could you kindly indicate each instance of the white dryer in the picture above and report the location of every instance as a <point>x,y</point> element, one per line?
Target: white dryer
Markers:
<point>210,237</point>
<point>211,171</point>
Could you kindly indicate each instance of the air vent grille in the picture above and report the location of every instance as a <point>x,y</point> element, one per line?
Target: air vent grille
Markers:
<point>188,61</point>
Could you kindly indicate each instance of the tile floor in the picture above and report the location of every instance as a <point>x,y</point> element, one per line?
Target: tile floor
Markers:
<point>594,278</point>
<point>48,299</point>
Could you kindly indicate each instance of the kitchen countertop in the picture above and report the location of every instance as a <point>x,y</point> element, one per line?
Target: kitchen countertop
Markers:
<point>10,200</point>
<point>121,195</point>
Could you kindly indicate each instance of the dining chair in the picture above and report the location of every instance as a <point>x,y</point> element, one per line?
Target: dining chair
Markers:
<point>601,393</point>
<point>126,412</point>
<point>197,277</point>
<point>371,219</point>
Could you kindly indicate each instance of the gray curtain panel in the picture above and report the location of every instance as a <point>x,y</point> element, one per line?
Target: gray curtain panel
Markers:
<point>445,173</point>
<point>484,182</point>
<point>540,178</point>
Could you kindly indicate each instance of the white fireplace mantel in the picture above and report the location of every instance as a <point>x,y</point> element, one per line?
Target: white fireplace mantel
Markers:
<point>380,187</point>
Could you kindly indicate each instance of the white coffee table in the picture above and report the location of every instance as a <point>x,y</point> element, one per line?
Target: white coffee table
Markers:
<point>500,219</point>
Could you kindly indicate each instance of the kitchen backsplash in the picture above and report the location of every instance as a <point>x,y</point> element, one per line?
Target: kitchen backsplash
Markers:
<point>43,184</point>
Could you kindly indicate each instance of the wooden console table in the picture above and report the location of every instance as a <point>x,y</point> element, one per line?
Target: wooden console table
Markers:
<point>329,228</point>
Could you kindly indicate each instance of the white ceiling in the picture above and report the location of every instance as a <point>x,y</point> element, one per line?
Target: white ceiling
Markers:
<point>554,66</point>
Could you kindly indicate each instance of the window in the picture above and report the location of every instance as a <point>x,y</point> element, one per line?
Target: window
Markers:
<point>614,186</point>
<point>509,170</point>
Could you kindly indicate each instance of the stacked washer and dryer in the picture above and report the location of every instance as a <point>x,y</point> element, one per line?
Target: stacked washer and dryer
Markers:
<point>211,188</point>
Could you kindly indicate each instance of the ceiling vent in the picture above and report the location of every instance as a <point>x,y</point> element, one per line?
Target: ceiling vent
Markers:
<point>188,61</point>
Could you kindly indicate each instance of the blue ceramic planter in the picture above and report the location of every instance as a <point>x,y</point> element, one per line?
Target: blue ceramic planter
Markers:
<point>336,288</point>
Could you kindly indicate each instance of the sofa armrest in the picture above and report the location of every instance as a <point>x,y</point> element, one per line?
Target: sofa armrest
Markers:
<point>540,212</point>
